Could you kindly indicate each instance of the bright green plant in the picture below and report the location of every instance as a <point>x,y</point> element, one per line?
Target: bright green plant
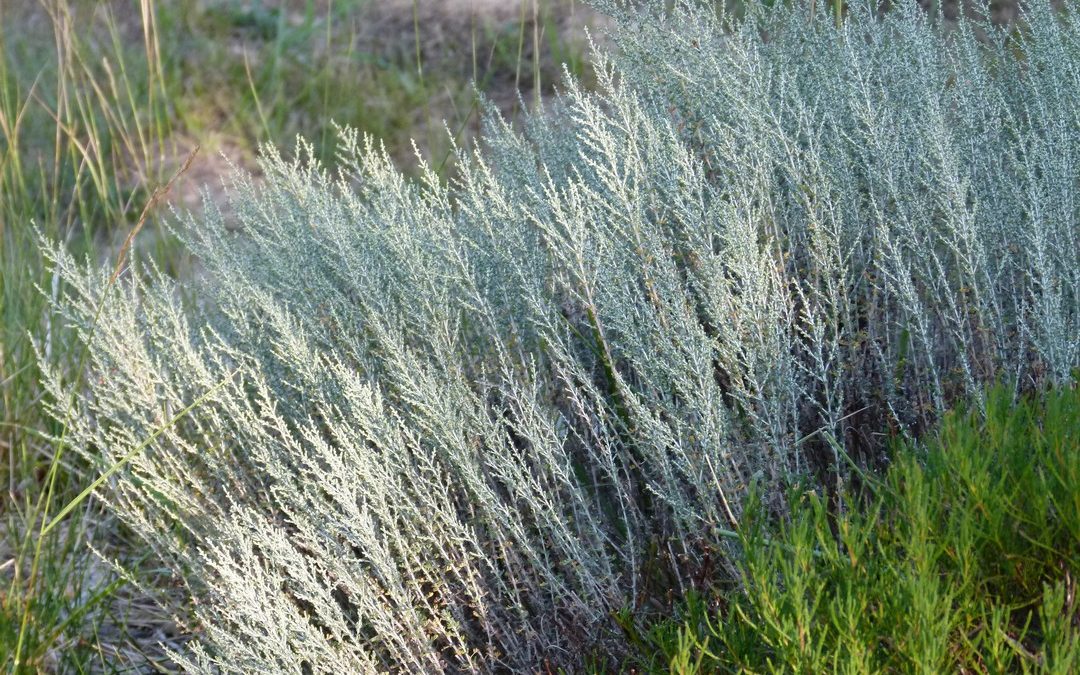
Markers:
<point>964,557</point>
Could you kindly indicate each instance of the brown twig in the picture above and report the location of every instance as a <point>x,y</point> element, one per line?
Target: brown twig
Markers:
<point>158,194</point>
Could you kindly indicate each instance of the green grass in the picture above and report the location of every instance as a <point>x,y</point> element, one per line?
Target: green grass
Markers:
<point>99,105</point>
<point>73,133</point>
<point>963,558</point>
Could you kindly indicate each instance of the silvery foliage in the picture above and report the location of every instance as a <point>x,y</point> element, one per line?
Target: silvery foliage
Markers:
<point>454,424</point>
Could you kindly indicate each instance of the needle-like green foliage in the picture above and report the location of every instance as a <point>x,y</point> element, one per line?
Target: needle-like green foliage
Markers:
<point>470,421</point>
<point>963,559</point>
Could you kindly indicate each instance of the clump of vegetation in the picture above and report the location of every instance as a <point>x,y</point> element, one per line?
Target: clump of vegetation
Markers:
<point>100,103</point>
<point>962,558</point>
<point>453,425</point>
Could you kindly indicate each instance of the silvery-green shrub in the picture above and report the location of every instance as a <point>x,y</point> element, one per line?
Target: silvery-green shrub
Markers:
<point>454,426</point>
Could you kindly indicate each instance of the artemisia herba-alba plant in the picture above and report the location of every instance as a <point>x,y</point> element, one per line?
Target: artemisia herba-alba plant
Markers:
<point>457,425</point>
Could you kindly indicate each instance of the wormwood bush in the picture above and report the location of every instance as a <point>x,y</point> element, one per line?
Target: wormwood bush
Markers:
<point>453,427</point>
